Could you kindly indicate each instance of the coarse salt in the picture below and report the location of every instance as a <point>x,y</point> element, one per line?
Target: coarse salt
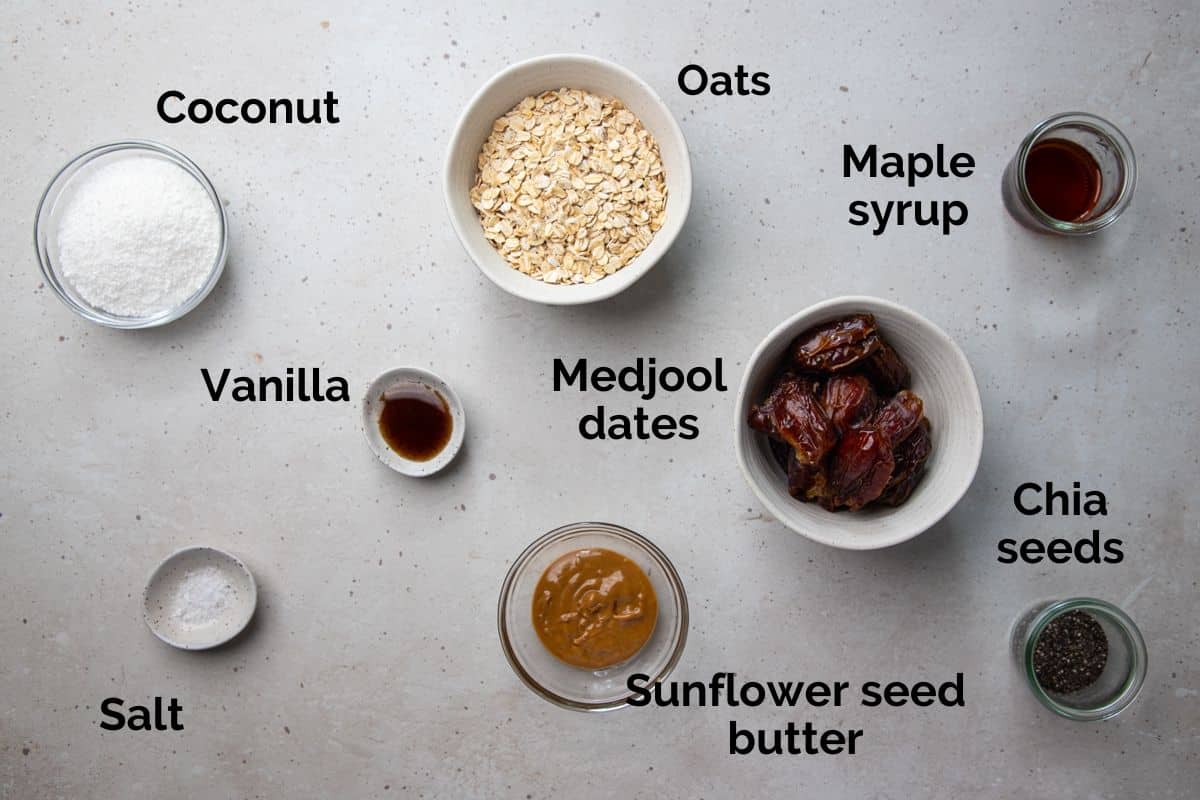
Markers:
<point>202,596</point>
<point>137,236</point>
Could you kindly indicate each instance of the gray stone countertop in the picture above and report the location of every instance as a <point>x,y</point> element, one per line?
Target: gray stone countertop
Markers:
<point>373,667</point>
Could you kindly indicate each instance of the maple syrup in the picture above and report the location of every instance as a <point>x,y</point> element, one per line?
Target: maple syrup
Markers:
<point>1064,179</point>
<point>415,421</point>
<point>1073,175</point>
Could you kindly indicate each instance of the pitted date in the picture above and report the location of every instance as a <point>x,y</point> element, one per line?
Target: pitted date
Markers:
<point>792,414</point>
<point>910,456</point>
<point>862,466</point>
<point>837,345</point>
<point>900,416</point>
<point>848,400</point>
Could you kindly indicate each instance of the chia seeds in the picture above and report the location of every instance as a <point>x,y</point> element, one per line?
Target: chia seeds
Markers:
<point>1070,653</point>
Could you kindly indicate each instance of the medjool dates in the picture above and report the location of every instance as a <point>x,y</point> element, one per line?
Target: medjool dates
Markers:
<point>780,451</point>
<point>885,369</point>
<point>840,420</point>
<point>837,345</point>
<point>848,400</point>
<point>861,467</point>
<point>807,481</point>
<point>910,456</point>
<point>899,417</point>
<point>792,414</point>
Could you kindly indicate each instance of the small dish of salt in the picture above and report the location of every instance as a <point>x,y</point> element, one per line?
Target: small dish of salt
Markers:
<point>199,597</point>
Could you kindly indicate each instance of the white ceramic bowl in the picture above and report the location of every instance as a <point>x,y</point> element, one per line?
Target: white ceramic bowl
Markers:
<point>183,626</point>
<point>372,404</point>
<point>942,378</point>
<point>537,75</point>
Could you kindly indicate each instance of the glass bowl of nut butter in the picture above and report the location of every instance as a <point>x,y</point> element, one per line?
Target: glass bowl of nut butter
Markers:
<point>587,606</point>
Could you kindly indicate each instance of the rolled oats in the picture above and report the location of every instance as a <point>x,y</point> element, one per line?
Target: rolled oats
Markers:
<point>569,187</point>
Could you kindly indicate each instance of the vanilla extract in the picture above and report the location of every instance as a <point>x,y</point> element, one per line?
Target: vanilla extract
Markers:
<point>302,384</point>
<point>415,421</point>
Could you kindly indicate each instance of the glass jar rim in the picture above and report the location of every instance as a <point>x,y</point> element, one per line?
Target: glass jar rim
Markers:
<point>1108,131</point>
<point>1131,687</point>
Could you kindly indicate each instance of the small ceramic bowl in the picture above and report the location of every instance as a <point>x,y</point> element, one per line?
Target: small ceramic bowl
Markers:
<point>573,687</point>
<point>49,212</point>
<point>372,405</point>
<point>942,378</point>
<point>198,598</point>
<point>497,97</point>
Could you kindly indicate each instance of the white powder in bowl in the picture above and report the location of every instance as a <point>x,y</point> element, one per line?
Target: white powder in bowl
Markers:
<point>202,596</point>
<point>137,236</point>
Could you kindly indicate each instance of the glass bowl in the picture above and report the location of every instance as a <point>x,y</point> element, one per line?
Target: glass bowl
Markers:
<point>573,687</point>
<point>1124,673</point>
<point>49,212</point>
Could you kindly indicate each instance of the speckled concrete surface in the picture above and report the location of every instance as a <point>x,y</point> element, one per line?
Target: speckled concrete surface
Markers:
<point>373,668</point>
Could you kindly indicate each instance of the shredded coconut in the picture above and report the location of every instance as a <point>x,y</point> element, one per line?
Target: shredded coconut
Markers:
<point>202,596</point>
<point>138,236</point>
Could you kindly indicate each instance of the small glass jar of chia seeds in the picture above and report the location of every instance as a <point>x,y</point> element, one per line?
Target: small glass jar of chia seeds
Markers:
<point>1083,659</point>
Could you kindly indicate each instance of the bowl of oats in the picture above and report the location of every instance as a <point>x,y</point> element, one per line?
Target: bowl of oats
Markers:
<point>567,179</point>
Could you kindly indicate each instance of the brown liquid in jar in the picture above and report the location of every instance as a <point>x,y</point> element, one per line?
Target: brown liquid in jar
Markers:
<point>415,421</point>
<point>1063,178</point>
<point>594,608</point>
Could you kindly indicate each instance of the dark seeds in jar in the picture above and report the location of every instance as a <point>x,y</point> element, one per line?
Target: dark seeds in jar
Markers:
<point>1070,653</point>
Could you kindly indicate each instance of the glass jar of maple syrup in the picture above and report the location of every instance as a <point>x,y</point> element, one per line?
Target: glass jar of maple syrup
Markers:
<point>1073,175</point>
